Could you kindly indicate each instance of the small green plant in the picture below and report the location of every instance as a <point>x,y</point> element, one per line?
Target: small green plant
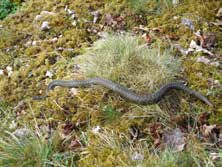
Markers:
<point>110,114</point>
<point>7,7</point>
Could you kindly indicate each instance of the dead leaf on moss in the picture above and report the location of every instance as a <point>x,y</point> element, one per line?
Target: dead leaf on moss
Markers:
<point>75,145</point>
<point>68,128</point>
<point>207,130</point>
<point>204,118</point>
<point>156,133</point>
<point>174,139</point>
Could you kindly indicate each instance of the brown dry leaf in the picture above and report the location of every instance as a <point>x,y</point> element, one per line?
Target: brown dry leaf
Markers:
<point>155,130</point>
<point>68,128</point>
<point>156,133</point>
<point>75,145</point>
<point>207,130</point>
<point>174,139</point>
<point>204,118</point>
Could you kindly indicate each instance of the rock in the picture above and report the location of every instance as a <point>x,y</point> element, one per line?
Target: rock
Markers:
<point>13,125</point>
<point>47,13</point>
<point>219,13</point>
<point>37,17</point>
<point>45,26</point>
<point>49,74</point>
<point>23,132</point>
<point>197,48</point>
<point>188,23</point>
<point>1,72</point>
<point>9,68</point>
<point>34,43</point>
<point>96,15</point>
<point>27,44</point>
<point>216,64</point>
<point>73,91</point>
<point>202,59</point>
<point>137,156</point>
<point>55,39</point>
<point>175,2</point>
<point>74,23</point>
<point>73,16</point>
<point>96,130</point>
<point>69,11</point>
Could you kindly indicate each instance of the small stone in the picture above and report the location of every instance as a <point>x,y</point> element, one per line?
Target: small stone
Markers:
<point>202,59</point>
<point>27,44</point>
<point>70,12</point>
<point>175,2</point>
<point>216,64</point>
<point>34,43</point>
<point>10,73</point>
<point>103,34</point>
<point>73,16</point>
<point>37,17</point>
<point>46,13</point>
<point>45,26</point>
<point>96,130</point>
<point>96,15</point>
<point>74,91</point>
<point>137,156</point>
<point>49,74</point>
<point>175,17</point>
<point>217,82</point>
<point>13,125</point>
<point>1,72</point>
<point>9,68</point>
<point>188,23</point>
<point>1,26</point>
<point>55,39</point>
<point>23,132</point>
<point>74,23</point>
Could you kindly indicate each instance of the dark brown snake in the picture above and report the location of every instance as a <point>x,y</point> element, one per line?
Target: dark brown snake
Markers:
<point>124,92</point>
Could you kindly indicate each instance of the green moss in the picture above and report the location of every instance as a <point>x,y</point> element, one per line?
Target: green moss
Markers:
<point>98,106</point>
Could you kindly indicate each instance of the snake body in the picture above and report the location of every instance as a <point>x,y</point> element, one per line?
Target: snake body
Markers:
<point>130,95</point>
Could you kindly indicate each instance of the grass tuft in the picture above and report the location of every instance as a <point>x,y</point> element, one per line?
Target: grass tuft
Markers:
<point>127,60</point>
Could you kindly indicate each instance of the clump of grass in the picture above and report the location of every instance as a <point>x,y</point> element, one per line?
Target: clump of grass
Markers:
<point>127,60</point>
<point>24,151</point>
<point>32,150</point>
<point>112,149</point>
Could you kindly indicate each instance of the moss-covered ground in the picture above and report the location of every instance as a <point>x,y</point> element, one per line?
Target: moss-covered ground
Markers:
<point>93,125</point>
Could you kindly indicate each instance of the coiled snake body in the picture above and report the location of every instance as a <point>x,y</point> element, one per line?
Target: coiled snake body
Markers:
<point>123,91</point>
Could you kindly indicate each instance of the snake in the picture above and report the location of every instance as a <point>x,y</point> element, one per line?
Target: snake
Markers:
<point>130,95</point>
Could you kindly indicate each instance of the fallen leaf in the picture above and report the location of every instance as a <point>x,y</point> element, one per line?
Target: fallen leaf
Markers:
<point>204,118</point>
<point>207,130</point>
<point>75,145</point>
<point>68,128</point>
